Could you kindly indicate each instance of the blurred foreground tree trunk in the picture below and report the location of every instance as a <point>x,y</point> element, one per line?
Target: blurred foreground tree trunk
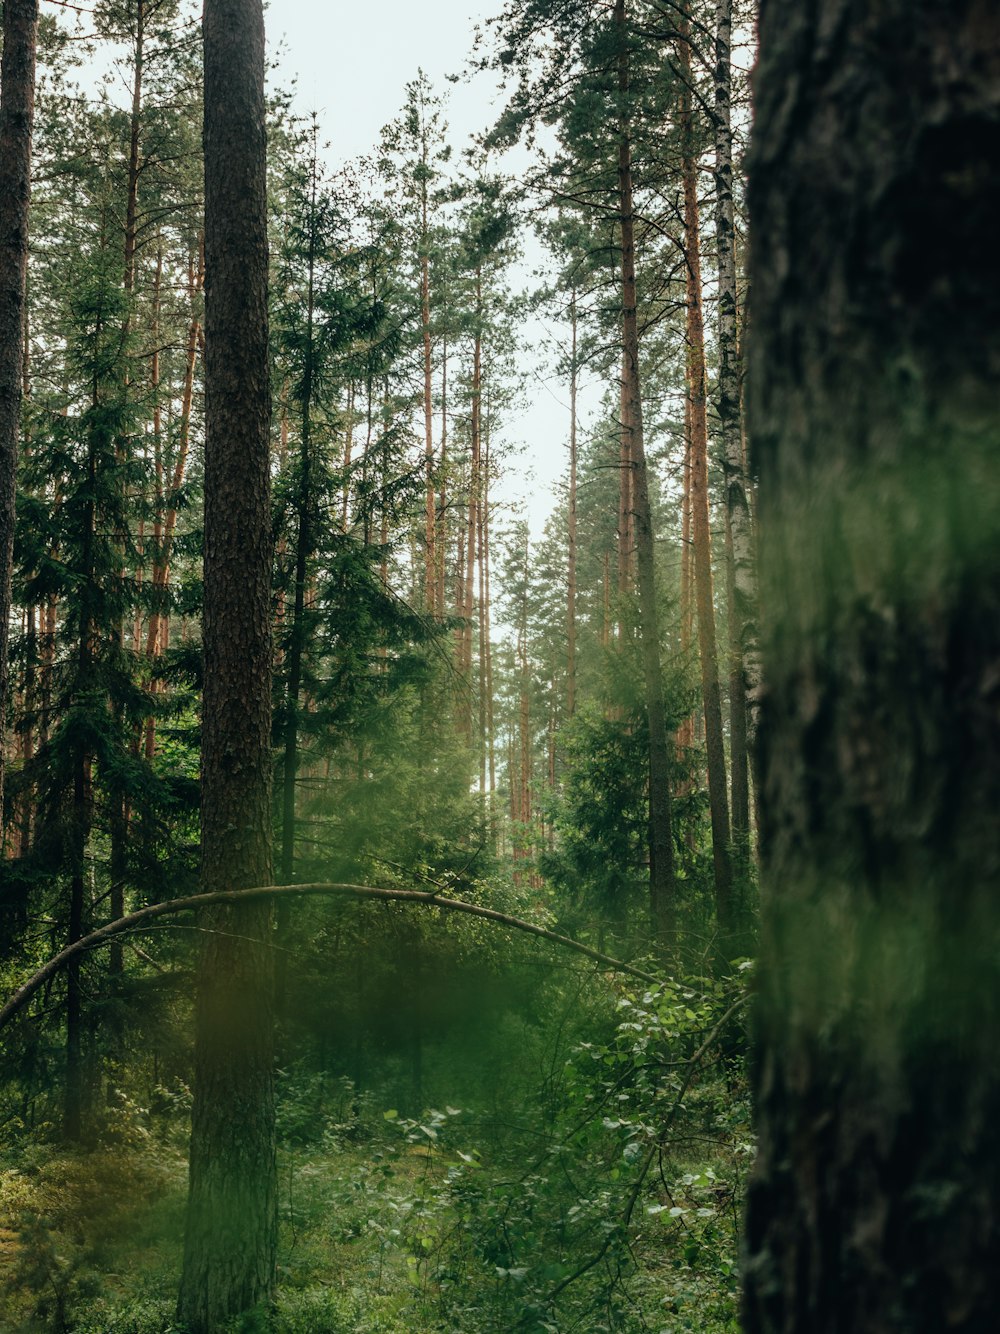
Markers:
<point>875,421</point>
<point>229,1250</point>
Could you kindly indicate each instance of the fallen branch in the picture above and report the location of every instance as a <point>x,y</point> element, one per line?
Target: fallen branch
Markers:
<point>138,921</point>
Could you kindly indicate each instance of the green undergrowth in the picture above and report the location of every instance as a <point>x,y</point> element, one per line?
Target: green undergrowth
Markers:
<point>610,1201</point>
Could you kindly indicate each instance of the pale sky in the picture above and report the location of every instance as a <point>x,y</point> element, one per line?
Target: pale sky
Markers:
<point>351,63</point>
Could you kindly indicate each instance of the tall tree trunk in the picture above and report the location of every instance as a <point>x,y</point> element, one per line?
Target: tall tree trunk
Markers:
<point>118,802</point>
<point>135,131</point>
<point>626,497</point>
<point>606,602</point>
<point>572,526</point>
<point>17,110</point>
<point>27,737</point>
<point>483,640</point>
<point>488,640</point>
<point>661,852</point>
<point>441,526</point>
<point>79,833</point>
<point>304,547</point>
<point>155,371</point>
<point>82,804</point>
<point>348,443</point>
<point>873,362</point>
<point>430,525</point>
<point>700,527</point>
<point>230,1236</point>
<point>468,600</point>
<point>685,733</point>
<point>739,539</point>
<point>29,716</point>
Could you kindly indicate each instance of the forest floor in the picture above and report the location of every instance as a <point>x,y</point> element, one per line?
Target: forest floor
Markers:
<point>588,1184</point>
<point>375,1239</point>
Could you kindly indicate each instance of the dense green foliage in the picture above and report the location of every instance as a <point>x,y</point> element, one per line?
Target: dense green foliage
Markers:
<point>475,1133</point>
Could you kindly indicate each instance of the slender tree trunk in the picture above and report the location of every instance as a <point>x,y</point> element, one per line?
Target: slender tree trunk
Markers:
<point>82,809</point>
<point>135,131</point>
<point>366,460</point>
<point>348,444</point>
<point>157,410</point>
<point>571,557</point>
<point>304,547</point>
<point>661,852</point>
<point>118,820</point>
<point>487,604</point>
<point>430,556</point>
<point>874,419</point>
<point>28,735</point>
<point>17,109</point>
<point>606,602</point>
<point>230,1237</point>
<point>442,503</point>
<point>739,539</point>
<point>700,526</point>
<point>47,654</point>
<point>468,598</point>
<point>524,738</point>
<point>626,497</point>
<point>483,633</point>
<point>685,733</point>
<point>73,1105</point>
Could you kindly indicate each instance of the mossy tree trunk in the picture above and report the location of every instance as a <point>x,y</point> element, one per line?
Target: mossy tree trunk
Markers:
<point>875,421</point>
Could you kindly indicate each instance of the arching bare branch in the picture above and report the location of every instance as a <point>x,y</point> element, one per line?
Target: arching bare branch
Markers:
<point>138,921</point>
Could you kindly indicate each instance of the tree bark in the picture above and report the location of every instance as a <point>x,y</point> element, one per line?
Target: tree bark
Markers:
<point>17,110</point>
<point>740,582</point>
<point>230,1237</point>
<point>873,364</point>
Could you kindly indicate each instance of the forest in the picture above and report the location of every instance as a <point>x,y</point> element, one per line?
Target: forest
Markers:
<point>419,913</point>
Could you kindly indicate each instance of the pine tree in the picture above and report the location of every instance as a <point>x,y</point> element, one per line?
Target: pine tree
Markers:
<point>701,536</point>
<point>231,1230</point>
<point>17,105</point>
